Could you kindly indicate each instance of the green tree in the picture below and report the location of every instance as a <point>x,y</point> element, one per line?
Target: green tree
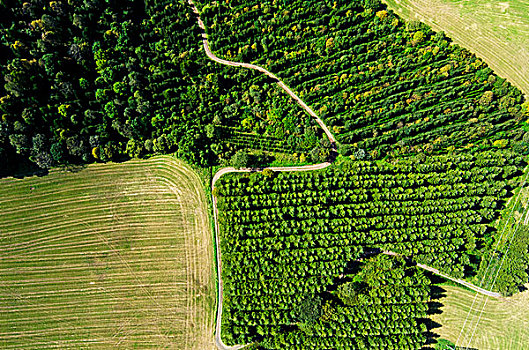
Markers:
<point>240,159</point>
<point>309,310</point>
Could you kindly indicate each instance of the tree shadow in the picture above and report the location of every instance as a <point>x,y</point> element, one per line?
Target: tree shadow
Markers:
<point>20,168</point>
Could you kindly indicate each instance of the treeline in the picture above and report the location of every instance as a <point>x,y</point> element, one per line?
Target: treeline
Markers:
<point>107,80</point>
<point>288,235</point>
<point>384,86</point>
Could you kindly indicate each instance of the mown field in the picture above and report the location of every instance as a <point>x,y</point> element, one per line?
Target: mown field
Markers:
<point>495,31</point>
<point>112,256</point>
<point>503,324</point>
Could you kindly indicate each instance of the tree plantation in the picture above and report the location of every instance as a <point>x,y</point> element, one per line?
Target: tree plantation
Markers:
<point>382,85</point>
<point>292,236</point>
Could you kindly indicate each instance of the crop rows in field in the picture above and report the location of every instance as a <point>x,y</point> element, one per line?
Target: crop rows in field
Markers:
<point>111,256</point>
<point>293,234</point>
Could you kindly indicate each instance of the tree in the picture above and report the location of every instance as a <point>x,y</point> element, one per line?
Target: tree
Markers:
<point>39,143</point>
<point>360,154</point>
<point>309,310</point>
<point>212,131</point>
<point>44,160</point>
<point>486,98</point>
<point>418,37</point>
<point>20,143</point>
<point>320,154</point>
<point>134,148</point>
<point>347,292</point>
<point>149,145</point>
<point>372,4</point>
<point>268,173</point>
<point>57,152</point>
<point>240,159</point>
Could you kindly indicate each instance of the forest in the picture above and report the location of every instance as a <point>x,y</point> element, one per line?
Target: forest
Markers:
<point>383,85</point>
<point>111,80</point>
<point>432,145</point>
<point>286,237</point>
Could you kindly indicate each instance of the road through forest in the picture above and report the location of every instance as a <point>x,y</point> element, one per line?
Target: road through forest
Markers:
<point>262,70</point>
<point>227,170</point>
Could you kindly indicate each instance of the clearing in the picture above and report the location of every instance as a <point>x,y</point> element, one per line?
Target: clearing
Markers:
<point>113,256</point>
<point>503,324</point>
<point>498,32</point>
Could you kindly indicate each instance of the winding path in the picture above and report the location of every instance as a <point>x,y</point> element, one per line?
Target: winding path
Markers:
<point>227,170</point>
<point>262,70</point>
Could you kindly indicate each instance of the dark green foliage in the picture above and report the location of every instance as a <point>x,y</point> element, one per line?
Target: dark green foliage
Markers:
<point>381,84</point>
<point>134,75</point>
<point>309,310</point>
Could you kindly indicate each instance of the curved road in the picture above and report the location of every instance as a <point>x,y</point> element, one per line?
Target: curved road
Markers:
<point>262,70</point>
<point>330,136</point>
<point>218,174</point>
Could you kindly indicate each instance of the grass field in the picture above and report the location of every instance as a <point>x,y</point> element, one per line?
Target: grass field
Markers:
<point>497,31</point>
<point>112,256</point>
<point>503,324</point>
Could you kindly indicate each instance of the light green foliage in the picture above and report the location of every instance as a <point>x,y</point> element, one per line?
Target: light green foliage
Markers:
<point>289,239</point>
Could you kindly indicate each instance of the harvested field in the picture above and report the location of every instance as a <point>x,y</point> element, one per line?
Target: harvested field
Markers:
<point>498,32</point>
<point>503,324</point>
<point>113,256</point>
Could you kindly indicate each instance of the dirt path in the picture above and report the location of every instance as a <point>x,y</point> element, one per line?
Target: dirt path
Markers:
<point>218,339</point>
<point>262,70</point>
<point>320,166</point>
<point>218,174</point>
<point>227,170</point>
<point>453,279</point>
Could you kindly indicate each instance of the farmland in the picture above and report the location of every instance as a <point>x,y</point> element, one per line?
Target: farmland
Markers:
<point>495,31</point>
<point>112,256</point>
<point>431,143</point>
<point>503,324</point>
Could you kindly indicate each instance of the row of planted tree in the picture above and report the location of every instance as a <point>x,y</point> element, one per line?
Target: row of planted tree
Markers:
<point>288,239</point>
<point>381,84</point>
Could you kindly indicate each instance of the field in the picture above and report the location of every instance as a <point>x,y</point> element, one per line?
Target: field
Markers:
<point>495,31</point>
<point>112,256</point>
<point>503,325</point>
